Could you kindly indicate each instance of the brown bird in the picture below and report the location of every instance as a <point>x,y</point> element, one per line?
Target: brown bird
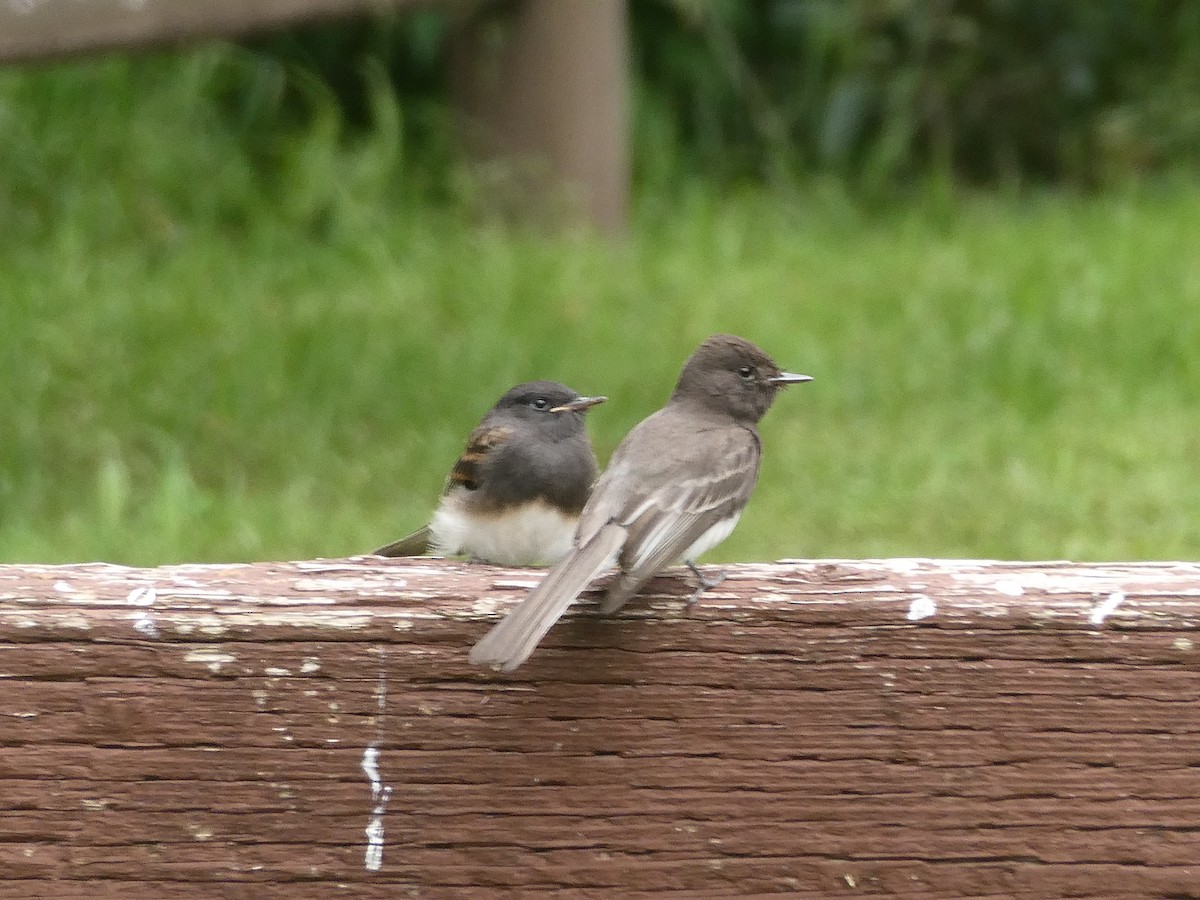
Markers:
<point>514,496</point>
<point>675,487</point>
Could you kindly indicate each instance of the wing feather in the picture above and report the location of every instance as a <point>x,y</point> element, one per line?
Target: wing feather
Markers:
<point>680,515</point>
<point>483,440</point>
<point>668,495</point>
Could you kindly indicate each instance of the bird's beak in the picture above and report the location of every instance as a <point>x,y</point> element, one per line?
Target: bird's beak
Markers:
<point>579,404</point>
<point>788,378</point>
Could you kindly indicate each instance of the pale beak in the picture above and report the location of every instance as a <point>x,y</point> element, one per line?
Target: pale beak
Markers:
<point>788,378</point>
<point>579,404</point>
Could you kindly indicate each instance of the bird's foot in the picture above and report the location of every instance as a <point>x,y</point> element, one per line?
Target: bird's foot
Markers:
<point>706,583</point>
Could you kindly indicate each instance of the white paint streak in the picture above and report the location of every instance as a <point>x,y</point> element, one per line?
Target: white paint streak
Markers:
<point>185,624</point>
<point>380,795</point>
<point>330,618</point>
<point>277,672</point>
<point>922,607</point>
<point>211,659</point>
<point>143,622</point>
<point>1009,588</point>
<point>484,606</point>
<point>1105,608</point>
<point>143,596</point>
<point>334,585</point>
<point>370,767</point>
<point>298,601</point>
<point>311,664</point>
<point>381,693</point>
<point>196,594</point>
<point>63,587</point>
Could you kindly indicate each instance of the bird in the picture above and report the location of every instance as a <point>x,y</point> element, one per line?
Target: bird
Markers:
<point>673,489</point>
<point>514,496</point>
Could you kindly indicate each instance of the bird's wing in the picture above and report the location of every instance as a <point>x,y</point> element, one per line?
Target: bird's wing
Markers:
<point>483,440</point>
<point>465,474</point>
<point>672,518</point>
<point>645,511</point>
<point>667,495</point>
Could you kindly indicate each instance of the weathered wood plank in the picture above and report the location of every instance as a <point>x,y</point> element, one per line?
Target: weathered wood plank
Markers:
<point>906,727</point>
<point>541,85</point>
<point>35,29</point>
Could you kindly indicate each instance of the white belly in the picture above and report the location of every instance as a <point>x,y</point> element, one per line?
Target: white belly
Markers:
<point>711,538</point>
<point>538,534</point>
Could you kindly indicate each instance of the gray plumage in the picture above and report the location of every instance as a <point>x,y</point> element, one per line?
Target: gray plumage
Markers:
<point>673,489</point>
<point>415,544</point>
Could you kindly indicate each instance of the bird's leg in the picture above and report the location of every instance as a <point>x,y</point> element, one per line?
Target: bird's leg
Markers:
<point>705,583</point>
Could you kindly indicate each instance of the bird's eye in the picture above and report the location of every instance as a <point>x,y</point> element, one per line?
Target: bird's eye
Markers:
<point>540,403</point>
<point>746,372</point>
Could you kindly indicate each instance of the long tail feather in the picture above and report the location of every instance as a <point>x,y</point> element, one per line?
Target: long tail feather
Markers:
<point>620,591</point>
<point>511,641</point>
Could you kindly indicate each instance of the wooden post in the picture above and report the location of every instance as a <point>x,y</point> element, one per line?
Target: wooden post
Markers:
<point>544,86</point>
<point>918,728</point>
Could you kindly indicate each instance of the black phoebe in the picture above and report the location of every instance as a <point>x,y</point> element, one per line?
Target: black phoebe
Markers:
<point>514,496</point>
<point>674,488</point>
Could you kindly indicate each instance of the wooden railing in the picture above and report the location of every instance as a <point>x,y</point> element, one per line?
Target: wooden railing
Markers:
<point>915,728</point>
<point>542,84</point>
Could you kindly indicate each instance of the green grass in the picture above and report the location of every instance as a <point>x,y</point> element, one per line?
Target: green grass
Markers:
<point>202,363</point>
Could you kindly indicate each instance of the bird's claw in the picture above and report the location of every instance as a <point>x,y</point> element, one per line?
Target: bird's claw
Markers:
<point>706,583</point>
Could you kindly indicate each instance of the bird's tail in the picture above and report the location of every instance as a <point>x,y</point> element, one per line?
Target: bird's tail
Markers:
<point>619,592</point>
<point>511,641</point>
<point>416,544</point>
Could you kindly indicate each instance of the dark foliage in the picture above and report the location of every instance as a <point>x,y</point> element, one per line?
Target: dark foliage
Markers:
<point>877,91</point>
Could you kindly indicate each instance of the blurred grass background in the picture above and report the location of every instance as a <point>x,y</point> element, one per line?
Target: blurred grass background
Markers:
<point>250,305</point>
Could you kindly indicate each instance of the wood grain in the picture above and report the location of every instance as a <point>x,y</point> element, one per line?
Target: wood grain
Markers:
<point>916,728</point>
